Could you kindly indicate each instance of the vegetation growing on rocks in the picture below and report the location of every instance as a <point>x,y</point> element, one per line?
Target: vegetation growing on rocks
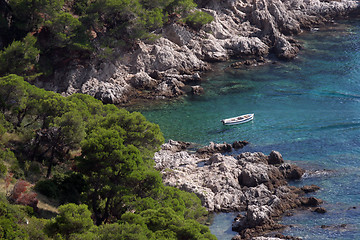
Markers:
<point>95,159</point>
<point>120,50</point>
<point>37,36</point>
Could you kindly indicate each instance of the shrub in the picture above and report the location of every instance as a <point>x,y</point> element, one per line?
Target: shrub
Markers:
<point>35,168</point>
<point>19,188</point>
<point>32,170</point>
<point>16,170</point>
<point>3,169</point>
<point>47,188</point>
<point>20,57</point>
<point>28,199</point>
<point>4,125</point>
<point>71,187</point>
<point>9,217</point>
<point>66,187</point>
<point>197,19</point>
<point>20,195</point>
<point>125,231</point>
<point>165,223</point>
<point>8,156</point>
<point>2,130</point>
<point>72,219</point>
<point>35,228</point>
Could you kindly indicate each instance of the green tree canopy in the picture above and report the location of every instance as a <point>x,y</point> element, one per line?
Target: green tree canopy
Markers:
<point>112,173</point>
<point>65,30</point>
<point>165,223</point>
<point>10,216</point>
<point>20,57</point>
<point>72,219</point>
<point>108,164</point>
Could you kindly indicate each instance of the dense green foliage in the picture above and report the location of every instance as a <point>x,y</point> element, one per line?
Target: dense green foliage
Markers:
<point>72,219</point>
<point>96,157</point>
<point>10,216</point>
<point>197,19</point>
<point>20,57</point>
<point>38,36</point>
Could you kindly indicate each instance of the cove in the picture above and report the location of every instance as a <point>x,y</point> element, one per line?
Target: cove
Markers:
<point>308,109</point>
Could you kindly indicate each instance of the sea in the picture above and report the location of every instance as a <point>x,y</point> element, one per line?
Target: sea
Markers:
<point>308,109</point>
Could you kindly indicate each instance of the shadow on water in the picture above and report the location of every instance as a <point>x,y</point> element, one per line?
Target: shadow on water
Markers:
<point>336,94</point>
<point>350,125</point>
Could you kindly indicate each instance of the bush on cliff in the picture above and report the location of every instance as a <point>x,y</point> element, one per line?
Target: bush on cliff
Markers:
<point>42,35</point>
<point>20,57</point>
<point>197,19</point>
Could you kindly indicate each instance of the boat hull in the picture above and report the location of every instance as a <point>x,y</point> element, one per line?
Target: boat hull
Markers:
<point>238,120</point>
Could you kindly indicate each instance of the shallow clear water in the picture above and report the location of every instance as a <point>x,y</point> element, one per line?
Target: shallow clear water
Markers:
<point>308,109</point>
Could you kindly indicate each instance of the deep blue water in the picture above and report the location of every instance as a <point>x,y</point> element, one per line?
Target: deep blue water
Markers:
<point>308,109</point>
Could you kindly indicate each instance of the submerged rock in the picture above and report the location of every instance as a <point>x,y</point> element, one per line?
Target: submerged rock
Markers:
<point>197,90</point>
<point>311,188</point>
<point>320,210</point>
<point>311,201</point>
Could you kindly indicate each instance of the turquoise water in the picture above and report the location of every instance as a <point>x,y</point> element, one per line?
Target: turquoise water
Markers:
<point>308,109</point>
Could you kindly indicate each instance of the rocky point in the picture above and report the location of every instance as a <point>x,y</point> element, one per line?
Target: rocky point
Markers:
<point>253,183</point>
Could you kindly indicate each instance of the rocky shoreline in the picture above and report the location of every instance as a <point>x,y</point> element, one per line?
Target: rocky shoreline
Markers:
<point>251,183</point>
<point>244,30</point>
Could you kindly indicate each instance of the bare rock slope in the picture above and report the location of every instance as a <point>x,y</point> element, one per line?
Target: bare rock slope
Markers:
<point>243,29</point>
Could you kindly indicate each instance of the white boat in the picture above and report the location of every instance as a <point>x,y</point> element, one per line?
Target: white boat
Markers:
<point>239,119</point>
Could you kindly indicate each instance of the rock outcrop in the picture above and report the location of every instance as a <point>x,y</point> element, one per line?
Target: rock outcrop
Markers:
<point>246,30</point>
<point>220,148</point>
<point>251,182</point>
